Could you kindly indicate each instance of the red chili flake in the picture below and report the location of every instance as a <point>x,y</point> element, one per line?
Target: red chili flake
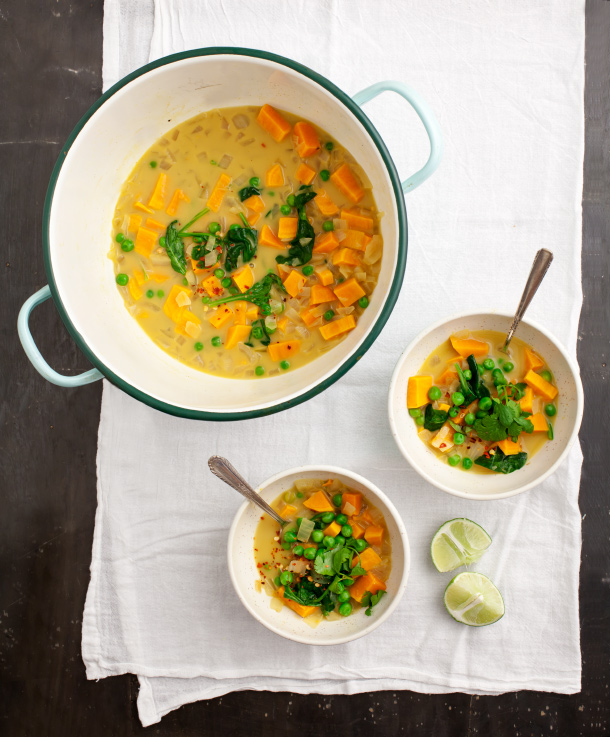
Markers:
<point>264,145</point>
<point>442,445</point>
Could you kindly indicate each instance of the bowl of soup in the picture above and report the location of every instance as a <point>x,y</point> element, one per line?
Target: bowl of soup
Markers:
<point>335,571</point>
<point>225,234</point>
<point>478,422</point>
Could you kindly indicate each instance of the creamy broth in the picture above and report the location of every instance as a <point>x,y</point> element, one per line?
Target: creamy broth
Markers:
<point>440,368</point>
<point>275,555</point>
<point>206,162</point>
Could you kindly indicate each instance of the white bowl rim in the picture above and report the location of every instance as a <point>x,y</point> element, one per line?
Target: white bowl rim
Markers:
<point>574,368</point>
<point>330,471</point>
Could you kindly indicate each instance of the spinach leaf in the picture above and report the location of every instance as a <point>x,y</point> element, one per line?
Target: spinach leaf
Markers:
<point>248,192</point>
<point>304,197</point>
<point>175,248</point>
<point>434,419</point>
<point>240,242</point>
<point>501,463</point>
<point>258,293</point>
<point>369,600</point>
<point>476,383</point>
<point>469,395</point>
<point>301,247</point>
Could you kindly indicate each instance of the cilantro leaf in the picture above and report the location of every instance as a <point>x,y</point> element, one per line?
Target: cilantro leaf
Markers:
<point>323,564</point>
<point>505,413</point>
<point>490,428</point>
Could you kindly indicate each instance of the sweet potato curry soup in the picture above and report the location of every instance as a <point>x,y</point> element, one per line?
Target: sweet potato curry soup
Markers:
<point>480,409</point>
<point>246,243</point>
<point>331,559</point>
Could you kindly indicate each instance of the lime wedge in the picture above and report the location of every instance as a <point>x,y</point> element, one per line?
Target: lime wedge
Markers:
<point>458,542</point>
<point>471,598</point>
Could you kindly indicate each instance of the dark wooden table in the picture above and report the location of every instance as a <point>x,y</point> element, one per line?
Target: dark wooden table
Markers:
<point>50,67</point>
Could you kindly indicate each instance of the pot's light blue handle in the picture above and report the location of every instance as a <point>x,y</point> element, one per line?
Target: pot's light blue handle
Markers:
<point>32,352</point>
<point>427,117</point>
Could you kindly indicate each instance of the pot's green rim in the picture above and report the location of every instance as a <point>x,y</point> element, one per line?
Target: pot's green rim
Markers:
<point>392,294</point>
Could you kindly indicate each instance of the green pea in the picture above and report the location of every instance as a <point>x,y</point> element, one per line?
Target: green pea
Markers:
<point>360,544</point>
<point>500,381</point>
<point>185,281</point>
<point>345,609</point>
<point>457,398</point>
<point>234,226</point>
<point>259,370</point>
<point>327,517</point>
<point>284,365</point>
<point>348,582</point>
<point>453,460</point>
<point>286,546</point>
<point>257,333</point>
<point>153,164</point>
<point>328,541</point>
<point>127,245</point>
<point>500,361</point>
<point>341,519</point>
<point>415,412</point>
<point>329,145</point>
<point>434,393</point>
<point>254,181</point>
<point>550,410</point>
<point>270,193</point>
<point>468,374</point>
<point>469,419</point>
<point>363,302</point>
<point>286,578</point>
<point>328,225</point>
<point>337,500</point>
<point>347,531</point>
<point>299,520</point>
<point>343,597</point>
<point>458,438</point>
<point>298,550</point>
<point>419,421</point>
<point>317,536</point>
<point>291,200</point>
<point>300,495</point>
<point>122,279</point>
<point>219,273</point>
<point>485,403</point>
<point>233,291</point>
<point>453,412</point>
<point>337,587</point>
<point>308,270</point>
<point>467,463</point>
<point>206,300</point>
<point>329,314</point>
<point>213,162</point>
<point>277,581</point>
<point>339,540</point>
<point>488,364</point>
<point>497,374</point>
<point>547,375</point>
<point>226,282</point>
<point>481,413</point>
<point>198,346</point>
<point>310,553</point>
<point>162,241</point>
<point>325,175</point>
<point>285,209</point>
<point>290,536</point>
<point>197,239</point>
<point>119,238</point>
<point>508,366</point>
<point>216,342</point>
<point>150,293</point>
<point>160,293</point>
<point>214,228</point>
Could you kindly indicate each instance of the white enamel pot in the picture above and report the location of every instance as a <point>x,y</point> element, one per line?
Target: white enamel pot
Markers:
<point>87,179</point>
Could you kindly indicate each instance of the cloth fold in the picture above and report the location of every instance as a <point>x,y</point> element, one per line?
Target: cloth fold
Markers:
<point>506,82</point>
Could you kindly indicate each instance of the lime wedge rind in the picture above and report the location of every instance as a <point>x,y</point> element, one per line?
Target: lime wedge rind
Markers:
<point>458,542</point>
<point>474,600</point>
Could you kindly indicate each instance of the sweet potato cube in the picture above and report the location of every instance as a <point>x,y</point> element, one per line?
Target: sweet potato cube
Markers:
<point>287,511</point>
<point>218,193</point>
<point>337,327</point>
<point>287,228</point>
<point>357,529</point>
<point>326,243</point>
<point>319,502</point>
<point>448,376</point>
<point>308,316</point>
<point>345,179</point>
<point>178,197</point>
<point>541,386</point>
<point>174,304</point>
<point>527,400</point>
<point>237,334</point>
<point>325,275</point>
<point>355,499</point>
<point>355,239</point>
<point>134,222</point>
<point>305,174</point>
<point>369,559</point>
<point>417,391</point>
<point>349,291</point>
<point>320,294</point>
<point>470,346</point>
<point>374,535</point>
<point>294,283</point>
<point>146,240</point>
<point>255,202</point>
<point>157,198</point>
<point>302,611</point>
<point>273,122</point>
<point>243,278</point>
<point>539,422</point>
<point>346,257</point>
<point>356,221</point>
<point>363,584</point>
<point>274,176</point>
<point>267,237</point>
<point>222,315</point>
<point>533,362</point>
<point>212,286</point>
<point>284,350</point>
<point>443,440</point>
<point>509,447</point>
<point>305,139</point>
<point>134,289</point>
<point>333,529</point>
<point>326,206</point>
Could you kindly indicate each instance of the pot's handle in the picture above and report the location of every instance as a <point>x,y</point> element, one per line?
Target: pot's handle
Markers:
<point>427,117</point>
<point>32,352</point>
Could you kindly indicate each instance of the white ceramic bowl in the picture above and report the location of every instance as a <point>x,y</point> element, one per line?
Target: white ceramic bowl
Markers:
<point>487,486</point>
<point>244,574</point>
<point>87,180</point>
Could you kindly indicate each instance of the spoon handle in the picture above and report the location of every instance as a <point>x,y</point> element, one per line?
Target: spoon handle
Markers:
<point>541,264</point>
<point>225,471</point>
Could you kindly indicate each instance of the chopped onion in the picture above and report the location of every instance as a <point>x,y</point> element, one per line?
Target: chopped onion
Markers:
<point>304,241</point>
<point>210,259</point>
<point>292,314</point>
<point>341,235</point>
<point>192,329</point>
<point>339,224</point>
<point>373,250</point>
<point>305,293</point>
<point>191,278</point>
<point>247,142</point>
<point>302,331</point>
<point>224,123</point>
<point>276,306</point>
<point>348,509</point>
<point>252,355</point>
<point>305,529</point>
<point>225,161</point>
<point>198,129</point>
<point>288,496</point>
<point>292,302</point>
<point>241,121</point>
<point>211,242</point>
<point>182,299</point>
<point>306,484</point>
<point>297,566</point>
<point>271,322</point>
<point>345,310</point>
<point>461,334</point>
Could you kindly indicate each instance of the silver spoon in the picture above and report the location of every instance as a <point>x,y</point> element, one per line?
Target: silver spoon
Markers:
<point>541,264</point>
<point>221,467</point>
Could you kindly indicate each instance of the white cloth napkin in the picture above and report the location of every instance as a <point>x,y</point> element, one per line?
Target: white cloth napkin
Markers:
<point>506,82</point>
